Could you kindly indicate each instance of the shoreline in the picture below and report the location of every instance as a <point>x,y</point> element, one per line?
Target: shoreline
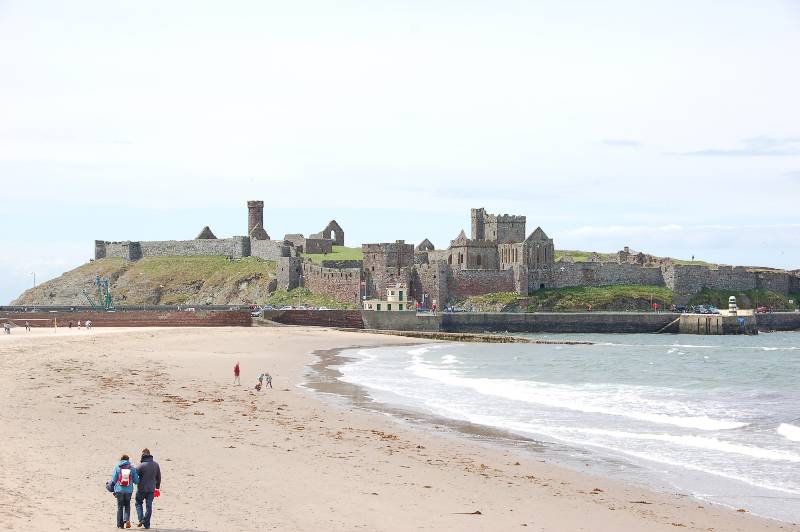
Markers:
<point>280,458</point>
<point>326,380</point>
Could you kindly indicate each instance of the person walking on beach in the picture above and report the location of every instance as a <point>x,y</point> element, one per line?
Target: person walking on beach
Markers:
<point>7,328</point>
<point>79,325</point>
<point>269,379</point>
<point>27,326</point>
<point>149,487</point>
<point>236,372</point>
<point>88,325</point>
<point>124,477</point>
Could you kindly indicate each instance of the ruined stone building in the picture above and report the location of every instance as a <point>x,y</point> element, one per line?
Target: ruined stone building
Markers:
<point>498,256</point>
<point>257,243</point>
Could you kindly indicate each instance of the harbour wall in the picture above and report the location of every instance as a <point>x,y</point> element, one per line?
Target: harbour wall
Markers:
<point>131,319</point>
<point>779,321</point>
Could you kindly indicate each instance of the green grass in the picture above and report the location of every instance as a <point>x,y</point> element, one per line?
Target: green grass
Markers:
<point>745,299</point>
<point>176,280</point>
<point>621,297</point>
<point>583,256</point>
<point>495,302</point>
<point>338,253</point>
<point>304,296</point>
<point>210,269</point>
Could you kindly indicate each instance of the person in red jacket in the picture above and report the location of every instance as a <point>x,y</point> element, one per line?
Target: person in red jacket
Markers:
<point>236,374</point>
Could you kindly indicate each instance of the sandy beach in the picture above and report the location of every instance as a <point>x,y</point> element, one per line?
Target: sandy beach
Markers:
<point>236,459</point>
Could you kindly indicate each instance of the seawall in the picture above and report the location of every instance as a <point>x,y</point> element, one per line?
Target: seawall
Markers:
<point>491,322</point>
<point>131,319</point>
<point>778,321</point>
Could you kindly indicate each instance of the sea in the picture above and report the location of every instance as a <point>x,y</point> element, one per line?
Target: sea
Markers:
<point>714,417</point>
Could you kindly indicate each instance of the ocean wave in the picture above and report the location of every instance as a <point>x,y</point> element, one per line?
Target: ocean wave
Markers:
<point>789,431</point>
<point>616,441</point>
<point>573,399</point>
<point>449,359</point>
<point>701,442</point>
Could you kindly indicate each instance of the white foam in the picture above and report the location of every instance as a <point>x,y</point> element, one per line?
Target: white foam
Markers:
<point>449,359</point>
<point>582,437</point>
<point>702,442</point>
<point>789,431</point>
<point>583,400</point>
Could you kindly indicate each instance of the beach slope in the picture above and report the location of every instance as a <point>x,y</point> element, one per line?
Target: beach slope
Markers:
<point>283,458</point>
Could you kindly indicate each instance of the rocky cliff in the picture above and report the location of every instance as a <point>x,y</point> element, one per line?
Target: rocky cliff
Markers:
<point>208,280</point>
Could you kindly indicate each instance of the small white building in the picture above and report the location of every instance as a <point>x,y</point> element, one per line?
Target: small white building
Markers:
<point>396,299</point>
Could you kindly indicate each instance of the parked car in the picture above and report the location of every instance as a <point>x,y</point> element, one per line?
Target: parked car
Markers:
<point>286,307</point>
<point>762,309</point>
<point>323,308</point>
<point>189,309</point>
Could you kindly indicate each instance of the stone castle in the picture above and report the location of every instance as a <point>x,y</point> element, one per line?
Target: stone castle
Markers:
<point>496,257</point>
<point>257,243</point>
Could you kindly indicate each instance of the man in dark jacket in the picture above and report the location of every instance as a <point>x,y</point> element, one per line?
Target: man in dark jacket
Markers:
<point>149,483</point>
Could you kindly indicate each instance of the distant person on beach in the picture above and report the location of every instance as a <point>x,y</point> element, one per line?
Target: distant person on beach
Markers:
<point>88,325</point>
<point>269,379</point>
<point>79,325</point>
<point>7,328</point>
<point>260,381</point>
<point>236,372</point>
<point>149,487</point>
<point>70,324</point>
<point>124,477</point>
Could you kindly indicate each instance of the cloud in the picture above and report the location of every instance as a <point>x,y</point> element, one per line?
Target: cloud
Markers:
<point>755,147</point>
<point>622,143</point>
<point>794,175</point>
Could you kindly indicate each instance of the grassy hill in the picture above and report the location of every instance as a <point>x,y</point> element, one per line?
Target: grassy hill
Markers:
<point>622,298</point>
<point>578,298</point>
<point>338,253</point>
<point>161,281</point>
<point>304,296</point>
<point>746,299</point>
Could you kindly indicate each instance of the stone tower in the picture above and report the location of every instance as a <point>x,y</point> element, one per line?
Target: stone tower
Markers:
<point>478,224</point>
<point>500,228</point>
<point>255,220</point>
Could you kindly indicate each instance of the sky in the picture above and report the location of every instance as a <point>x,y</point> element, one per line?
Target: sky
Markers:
<point>670,127</point>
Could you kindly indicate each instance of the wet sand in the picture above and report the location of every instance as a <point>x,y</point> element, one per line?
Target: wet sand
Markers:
<point>237,459</point>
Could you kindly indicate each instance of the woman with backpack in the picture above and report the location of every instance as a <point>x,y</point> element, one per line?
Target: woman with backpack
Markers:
<point>124,477</point>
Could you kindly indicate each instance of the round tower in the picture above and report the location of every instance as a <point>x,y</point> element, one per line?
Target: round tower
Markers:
<point>255,220</point>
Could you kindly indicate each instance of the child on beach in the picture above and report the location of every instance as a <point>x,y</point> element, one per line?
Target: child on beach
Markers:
<point>236,372</point>
<point>269,379</point>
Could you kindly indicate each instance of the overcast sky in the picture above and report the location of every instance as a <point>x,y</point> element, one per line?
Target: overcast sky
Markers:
<point>672,127</point>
